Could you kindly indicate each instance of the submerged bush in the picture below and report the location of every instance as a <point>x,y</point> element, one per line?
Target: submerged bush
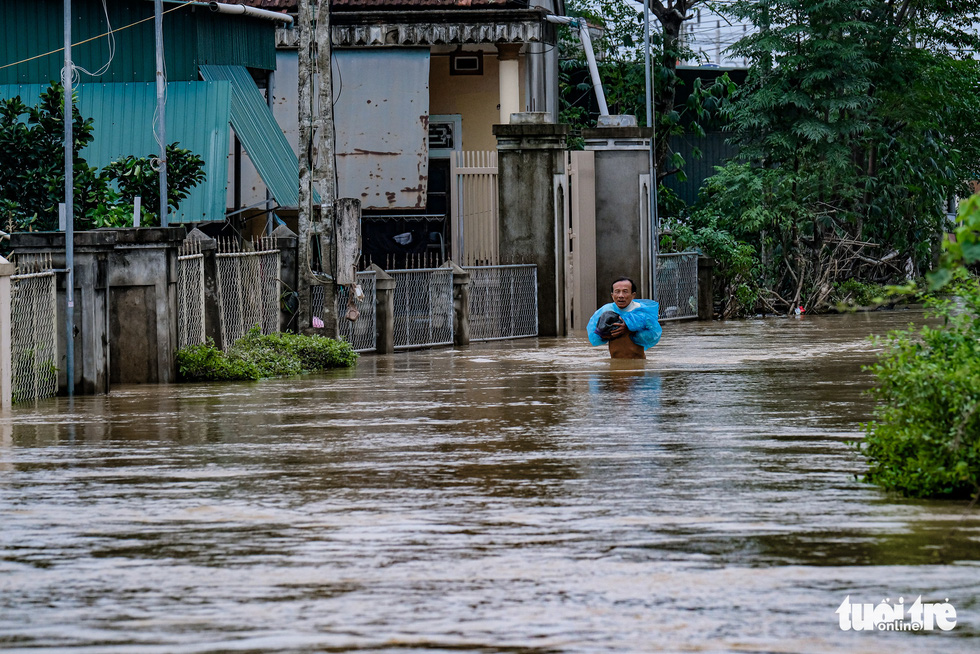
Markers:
<point>257,355</point>
<point>852,293</point>
<point>924,440</point>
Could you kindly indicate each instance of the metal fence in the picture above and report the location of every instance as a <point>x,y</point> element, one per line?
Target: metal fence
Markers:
<point>361,333</point>
<point>423,310</point>
<point>190,295</point>
<point>677,285</point>
<point>503,301</point>
<point>248,288</point>
<point>33,335</point>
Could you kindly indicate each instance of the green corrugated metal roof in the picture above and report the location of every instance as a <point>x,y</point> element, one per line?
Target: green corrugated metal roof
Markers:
<point>197,117</point>
<point>193,35</point>
<point>261,135</point>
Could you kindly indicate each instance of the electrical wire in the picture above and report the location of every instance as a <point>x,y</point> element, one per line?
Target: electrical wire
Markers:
<point>94,38</point>
<point>75,77</point>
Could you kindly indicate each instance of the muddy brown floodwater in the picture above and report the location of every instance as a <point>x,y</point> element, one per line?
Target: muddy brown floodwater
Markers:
<point>525,496</point>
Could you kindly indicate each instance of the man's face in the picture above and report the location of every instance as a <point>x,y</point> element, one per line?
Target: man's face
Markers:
<point>622,294</point>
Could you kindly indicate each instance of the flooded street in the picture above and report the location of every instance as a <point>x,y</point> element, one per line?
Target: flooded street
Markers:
<point>523,496</point>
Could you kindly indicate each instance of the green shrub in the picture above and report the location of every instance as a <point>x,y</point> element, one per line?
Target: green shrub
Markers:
<point>924,440</point>
<point>257,355</point>
<point>854,293</point>
<point>205,362</point>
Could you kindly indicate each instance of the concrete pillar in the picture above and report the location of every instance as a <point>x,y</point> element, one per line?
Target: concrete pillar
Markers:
<point>706,287</point>
<point>6,369</point>
<point>214,319</point>
<point>384,309</point>
<point>461,304</point>
<point>532,206</point>
<point>622,220</point>
<point>508,55</point>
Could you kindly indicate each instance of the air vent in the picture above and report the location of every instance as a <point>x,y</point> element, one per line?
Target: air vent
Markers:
<point>466,63</point>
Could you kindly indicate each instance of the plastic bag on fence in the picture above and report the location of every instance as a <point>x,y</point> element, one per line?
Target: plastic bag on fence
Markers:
<point>640,319</point>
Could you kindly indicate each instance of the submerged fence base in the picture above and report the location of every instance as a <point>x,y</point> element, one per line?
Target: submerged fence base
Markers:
<point>503,302</point>
<point>677,286</point>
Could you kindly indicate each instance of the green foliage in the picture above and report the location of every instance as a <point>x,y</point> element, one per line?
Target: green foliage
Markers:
<point>205,362</point>
<point>32,176</point>
<point>736,262</point>
<point>925,438</point>
<point>139,176</point>
<point>622,72</point>
<point>852,293</point>
<point>257,355</point>
<point>848,157</point>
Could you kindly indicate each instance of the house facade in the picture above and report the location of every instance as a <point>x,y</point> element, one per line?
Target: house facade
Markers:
<point>416,82</point>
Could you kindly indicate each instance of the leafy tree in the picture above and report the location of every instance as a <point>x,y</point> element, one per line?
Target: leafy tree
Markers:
<point>139,177</point>
<point>925,438</point>
<point>32,175</point>
<point>623,78</point>
<point>853,151</point>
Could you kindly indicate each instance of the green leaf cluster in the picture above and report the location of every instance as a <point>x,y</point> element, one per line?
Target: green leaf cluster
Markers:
<point>857,122</point>
<point>924,440</point>
<point>257,356</point>
<point>32,176</point>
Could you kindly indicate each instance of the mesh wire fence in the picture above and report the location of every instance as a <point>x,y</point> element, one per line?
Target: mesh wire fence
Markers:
<point>33,337</point>
<point>423,311</point>
<point>248,289</point>
<point>677,285</point>
<point>190,296</point>
<point>361,333</point>
<point>503,301</point>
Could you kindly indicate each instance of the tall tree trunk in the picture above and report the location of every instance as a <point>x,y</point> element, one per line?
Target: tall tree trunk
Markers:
<point>671,15</point>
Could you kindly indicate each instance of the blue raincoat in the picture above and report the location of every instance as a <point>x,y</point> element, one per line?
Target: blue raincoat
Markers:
<point>641,321</point>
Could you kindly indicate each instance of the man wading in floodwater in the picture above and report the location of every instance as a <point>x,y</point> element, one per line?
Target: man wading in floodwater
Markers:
<point>628,325</point>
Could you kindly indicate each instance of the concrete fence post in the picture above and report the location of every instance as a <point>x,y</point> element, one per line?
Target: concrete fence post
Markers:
<point>533,208</point>
<point>461,304</point>
<point>706,287</point>
<point>214,319</point>
<point>6,368</point>
<point>384,309</point>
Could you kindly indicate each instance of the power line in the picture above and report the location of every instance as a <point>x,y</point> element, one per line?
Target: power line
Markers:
<point>94,38</point>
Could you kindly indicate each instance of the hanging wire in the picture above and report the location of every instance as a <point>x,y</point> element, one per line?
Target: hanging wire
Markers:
<point>75,77</point>
<point>94,38</point>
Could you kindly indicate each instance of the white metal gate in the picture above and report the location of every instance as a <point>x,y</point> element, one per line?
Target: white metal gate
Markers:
<point>474,205</point>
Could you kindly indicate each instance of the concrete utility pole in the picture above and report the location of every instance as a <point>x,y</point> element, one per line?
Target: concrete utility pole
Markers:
<point>66,81</point>
<point>316,167</point>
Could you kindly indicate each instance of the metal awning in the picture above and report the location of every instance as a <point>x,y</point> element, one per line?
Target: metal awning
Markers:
<point>259,133</point>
